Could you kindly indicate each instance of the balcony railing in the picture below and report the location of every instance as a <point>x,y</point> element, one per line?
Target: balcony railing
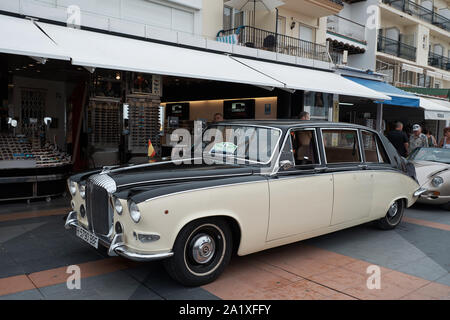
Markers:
<point>336,56</point>
<point>271,41</point>
<point>438,61</point>
<point>396,48</point>
<point>420,12</point>
<point>347,28</point>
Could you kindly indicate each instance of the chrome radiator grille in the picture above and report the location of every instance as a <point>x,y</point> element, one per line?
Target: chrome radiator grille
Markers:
<point>98,208</point>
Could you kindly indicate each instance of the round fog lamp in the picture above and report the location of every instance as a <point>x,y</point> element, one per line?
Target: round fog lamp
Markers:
<point>82,211</point>
<point>118,227</point>
<point>134,212</point>
<point>437,181</point>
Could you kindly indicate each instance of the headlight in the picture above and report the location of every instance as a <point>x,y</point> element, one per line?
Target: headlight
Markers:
<point>72,187</point>
<point>118,206</point>
<point>82,188</point>
<point>437,181</point>
<point>134,212</point>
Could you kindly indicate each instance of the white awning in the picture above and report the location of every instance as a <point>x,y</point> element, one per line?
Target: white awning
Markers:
<point>434,110</point>
<point>442,102</point>
<point>435,75</point>
<point>408,67</point>
<point>98,50</point>
<point>313,80</point>
<point>23,37</point>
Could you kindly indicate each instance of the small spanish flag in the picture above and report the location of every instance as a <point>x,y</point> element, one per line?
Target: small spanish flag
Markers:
<point>151,150</point>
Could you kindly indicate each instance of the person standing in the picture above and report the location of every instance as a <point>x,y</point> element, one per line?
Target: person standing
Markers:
<point>399,139</point>
<point>417,139</point>
<point>445,141</point>
<point>431,139</point>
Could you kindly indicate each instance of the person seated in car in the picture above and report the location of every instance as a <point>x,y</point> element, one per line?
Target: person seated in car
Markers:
<point>304,151</point>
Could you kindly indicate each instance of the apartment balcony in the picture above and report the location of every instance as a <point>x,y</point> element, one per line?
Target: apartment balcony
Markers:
<point>421,12</point>
<point>271,41</point>
<point>314,8</point>
<point>438,61</point>
<point>347,30</point>
<point>396,48</point>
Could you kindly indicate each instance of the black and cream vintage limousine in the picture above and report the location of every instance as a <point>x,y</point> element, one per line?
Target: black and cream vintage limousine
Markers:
<point>285,181</point>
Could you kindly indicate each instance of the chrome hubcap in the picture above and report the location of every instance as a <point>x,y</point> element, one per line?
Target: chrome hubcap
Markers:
<point>203,248</point>
<point>393,210</point>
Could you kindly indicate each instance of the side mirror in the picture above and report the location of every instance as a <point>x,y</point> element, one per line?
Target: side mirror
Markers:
<point>14,123</point>
<point>286,164</point>
<point>47,121</point>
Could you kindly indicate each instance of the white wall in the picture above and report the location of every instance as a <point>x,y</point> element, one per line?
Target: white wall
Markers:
<point>124,16</point>
<point>359,14</point>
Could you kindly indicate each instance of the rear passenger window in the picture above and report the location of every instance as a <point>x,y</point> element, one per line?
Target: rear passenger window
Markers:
<point>370,147</point>
<point>373,150</point>
<point>341,145</point>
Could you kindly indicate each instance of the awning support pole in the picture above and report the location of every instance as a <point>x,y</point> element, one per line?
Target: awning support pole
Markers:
<point>379,120</point>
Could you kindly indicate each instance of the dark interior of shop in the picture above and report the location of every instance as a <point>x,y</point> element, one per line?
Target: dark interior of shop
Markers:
<point>78,116</point>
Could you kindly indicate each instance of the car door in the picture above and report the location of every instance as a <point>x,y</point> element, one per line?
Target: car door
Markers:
<point>377,162</point>
<point>301,196</point>
<point>353,184</point>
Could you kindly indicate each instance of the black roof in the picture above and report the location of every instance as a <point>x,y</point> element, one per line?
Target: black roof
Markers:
<point>288,123</point>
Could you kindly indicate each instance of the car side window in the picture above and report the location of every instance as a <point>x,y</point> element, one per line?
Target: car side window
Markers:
<point>341,145</point>
<point>370,147</point>
<point>382,152</point>
<point>304,146</point>
<point>373,148</point>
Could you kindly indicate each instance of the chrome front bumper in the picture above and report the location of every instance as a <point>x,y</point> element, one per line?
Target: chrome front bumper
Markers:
<point>419,192</point>
<point>117,246</point>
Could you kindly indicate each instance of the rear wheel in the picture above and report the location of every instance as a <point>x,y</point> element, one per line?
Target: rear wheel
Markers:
<point>393,216</point>
<point>201,252</point>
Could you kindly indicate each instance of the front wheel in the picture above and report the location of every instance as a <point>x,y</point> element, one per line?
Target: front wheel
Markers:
<point>201,252</point>
<point>393,216</point>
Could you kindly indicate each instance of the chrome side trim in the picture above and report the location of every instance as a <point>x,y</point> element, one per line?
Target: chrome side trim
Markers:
<point>188,178</point>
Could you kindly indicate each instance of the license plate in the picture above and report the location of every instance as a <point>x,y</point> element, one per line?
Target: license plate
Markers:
<point>87,236</point>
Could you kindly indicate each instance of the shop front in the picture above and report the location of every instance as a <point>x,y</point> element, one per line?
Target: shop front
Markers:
<point>405,107</point>
<point>71,100</point>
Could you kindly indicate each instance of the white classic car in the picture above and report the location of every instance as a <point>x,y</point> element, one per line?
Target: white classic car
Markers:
<point>285,181</point>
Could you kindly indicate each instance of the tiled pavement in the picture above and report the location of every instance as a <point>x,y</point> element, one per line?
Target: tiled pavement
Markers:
<point>35,250</point>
